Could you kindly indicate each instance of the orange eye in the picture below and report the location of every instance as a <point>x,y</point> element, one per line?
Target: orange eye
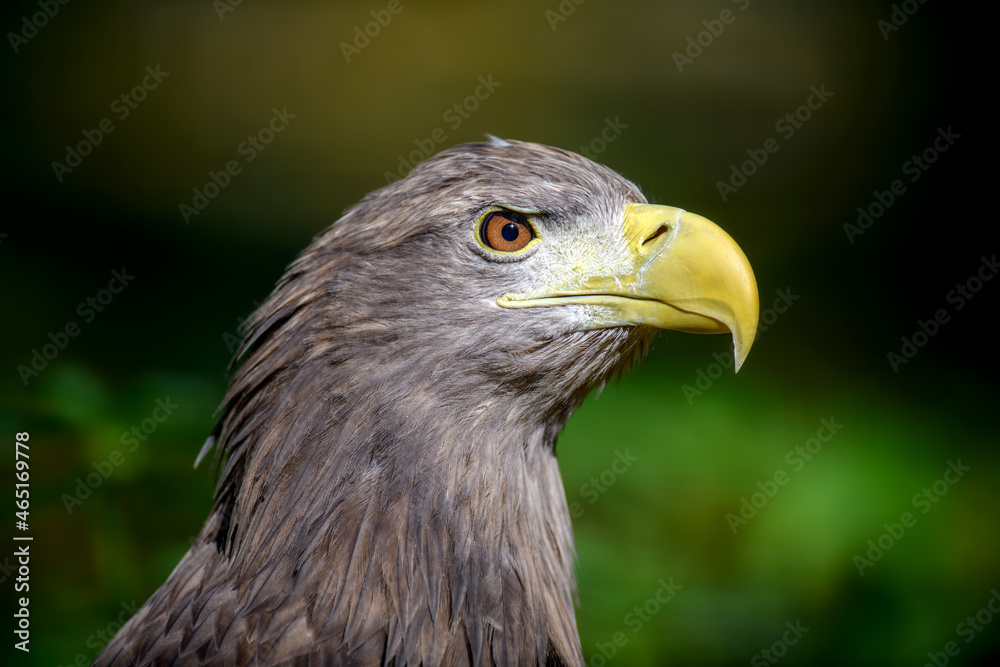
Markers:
<point>506,231</point>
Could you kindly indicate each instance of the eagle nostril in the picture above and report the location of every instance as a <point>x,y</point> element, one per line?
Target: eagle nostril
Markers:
<point>660,231</point>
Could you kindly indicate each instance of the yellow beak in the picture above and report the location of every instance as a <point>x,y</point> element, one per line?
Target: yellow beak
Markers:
<point>681,272</point>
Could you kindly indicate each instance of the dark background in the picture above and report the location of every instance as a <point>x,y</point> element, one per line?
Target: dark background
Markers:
<point>169,333</point>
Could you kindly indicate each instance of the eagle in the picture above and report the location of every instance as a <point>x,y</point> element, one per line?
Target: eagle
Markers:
<point>388,491</point>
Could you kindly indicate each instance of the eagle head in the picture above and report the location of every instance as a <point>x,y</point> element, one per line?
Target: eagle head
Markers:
<point>389,492</point>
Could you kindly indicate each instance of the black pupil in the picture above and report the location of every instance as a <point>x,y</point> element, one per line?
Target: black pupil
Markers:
<point>510,231</point>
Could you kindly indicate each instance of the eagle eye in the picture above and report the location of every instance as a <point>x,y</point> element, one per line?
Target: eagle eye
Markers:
<point>506,231</point>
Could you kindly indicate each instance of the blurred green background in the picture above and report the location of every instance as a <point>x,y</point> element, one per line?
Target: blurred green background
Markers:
<point>660,466</point>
